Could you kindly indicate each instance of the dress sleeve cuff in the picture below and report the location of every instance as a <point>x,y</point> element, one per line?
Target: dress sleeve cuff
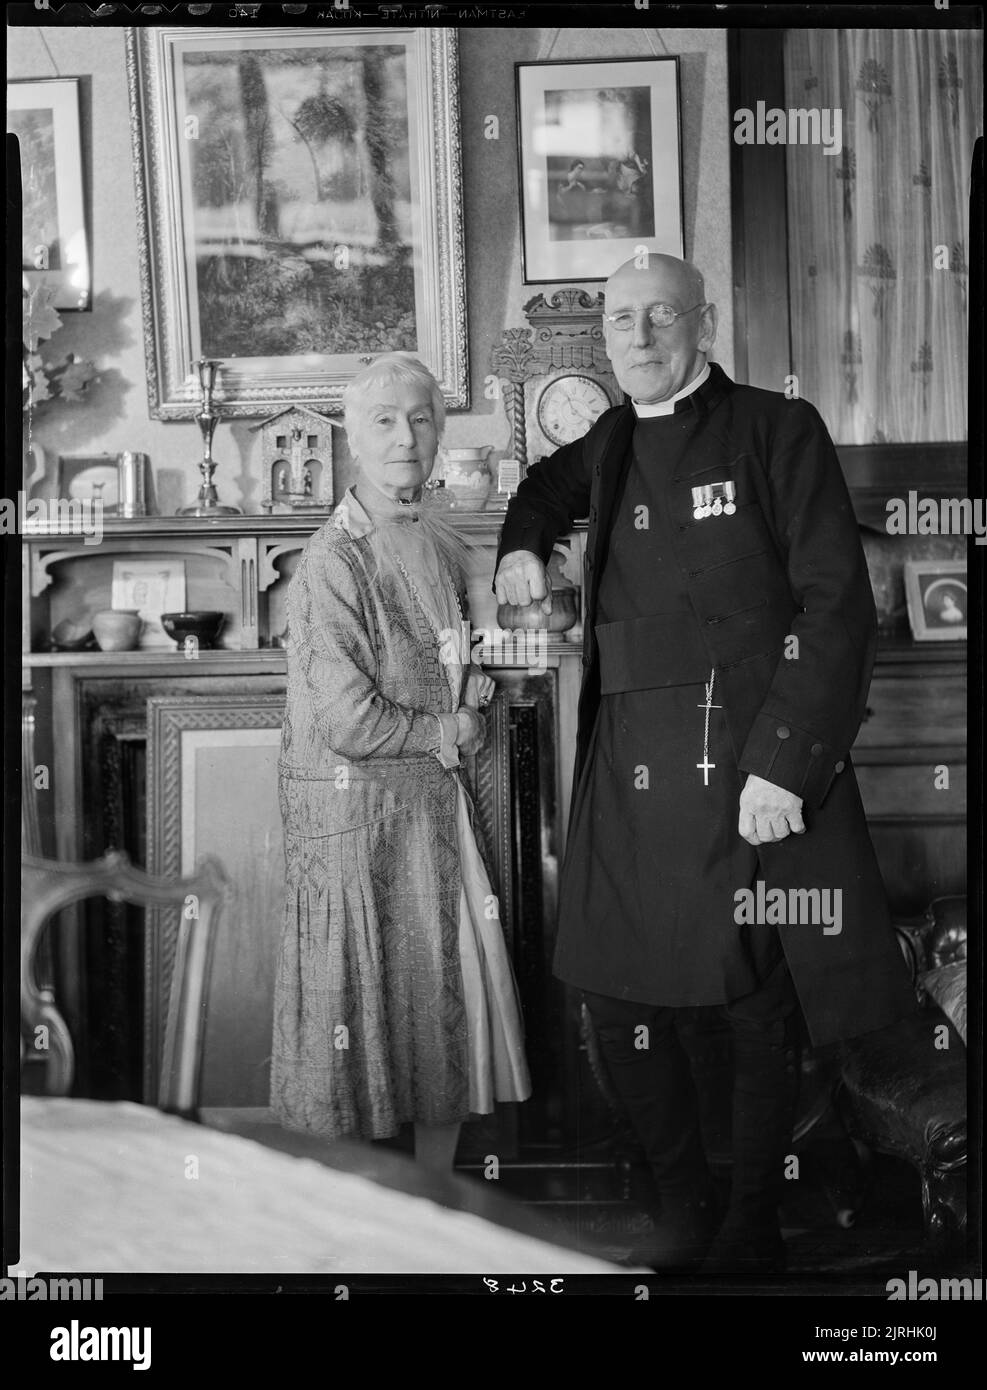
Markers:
<point>447,751</point>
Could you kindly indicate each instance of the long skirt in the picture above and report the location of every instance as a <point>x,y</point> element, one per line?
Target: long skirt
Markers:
<point>395,999</point>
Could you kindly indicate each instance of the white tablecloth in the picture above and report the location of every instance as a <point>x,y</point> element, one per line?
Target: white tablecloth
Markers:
<point>121,1188</point>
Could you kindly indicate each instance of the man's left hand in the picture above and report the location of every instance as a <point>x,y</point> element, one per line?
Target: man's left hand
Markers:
<point>768,813</point>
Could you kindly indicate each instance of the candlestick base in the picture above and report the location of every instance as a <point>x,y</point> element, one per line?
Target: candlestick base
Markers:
<point>207,503</point>
<point>210,509</point>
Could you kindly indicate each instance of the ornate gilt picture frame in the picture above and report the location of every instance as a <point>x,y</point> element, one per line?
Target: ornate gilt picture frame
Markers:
<point>299,210</point>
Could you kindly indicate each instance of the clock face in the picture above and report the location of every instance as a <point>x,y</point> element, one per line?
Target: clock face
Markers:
<point>568,406</point>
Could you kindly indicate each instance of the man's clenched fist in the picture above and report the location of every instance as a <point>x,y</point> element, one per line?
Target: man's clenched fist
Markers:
<point>522,579</point>
<point>768,813</point>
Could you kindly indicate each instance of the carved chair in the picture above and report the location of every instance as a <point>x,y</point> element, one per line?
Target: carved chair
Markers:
<point>47,887</point>
<point>903,1089</point>
<point>898,1091</point>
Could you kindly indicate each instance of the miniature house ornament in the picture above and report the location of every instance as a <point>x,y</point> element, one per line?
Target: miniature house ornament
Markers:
<point>296,460</point>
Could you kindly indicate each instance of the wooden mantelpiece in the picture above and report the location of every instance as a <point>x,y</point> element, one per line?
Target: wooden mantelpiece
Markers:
<point>239,565</point>
<point>486,523</point>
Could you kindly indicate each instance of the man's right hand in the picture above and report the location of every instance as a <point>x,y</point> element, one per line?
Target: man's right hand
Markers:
<point>522,579</point>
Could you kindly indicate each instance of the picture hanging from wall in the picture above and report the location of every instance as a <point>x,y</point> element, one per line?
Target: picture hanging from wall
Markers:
<point>299,210</point>
<point>55,248</point>
<point>599,145</point>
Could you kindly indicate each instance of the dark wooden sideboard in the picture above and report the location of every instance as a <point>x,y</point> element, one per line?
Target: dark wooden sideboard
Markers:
<point>910,757</point>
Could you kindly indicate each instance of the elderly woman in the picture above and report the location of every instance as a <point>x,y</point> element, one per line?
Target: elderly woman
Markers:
<point>395,1000</point>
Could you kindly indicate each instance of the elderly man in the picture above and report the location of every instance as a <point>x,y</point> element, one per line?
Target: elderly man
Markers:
<point>729,643</point>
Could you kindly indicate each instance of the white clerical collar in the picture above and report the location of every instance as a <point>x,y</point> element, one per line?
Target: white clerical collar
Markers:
<point>646,410</point>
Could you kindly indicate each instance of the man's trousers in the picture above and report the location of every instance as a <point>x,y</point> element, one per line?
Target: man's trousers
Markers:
<point>656,1086</point>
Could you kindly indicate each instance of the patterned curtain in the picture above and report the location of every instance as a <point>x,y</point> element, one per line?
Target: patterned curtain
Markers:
<point>879,332</point>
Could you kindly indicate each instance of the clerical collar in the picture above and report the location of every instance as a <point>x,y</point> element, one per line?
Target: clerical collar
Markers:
<point>646,410</point>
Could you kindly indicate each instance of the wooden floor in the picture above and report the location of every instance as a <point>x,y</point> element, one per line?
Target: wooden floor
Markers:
<point>589,1207</point>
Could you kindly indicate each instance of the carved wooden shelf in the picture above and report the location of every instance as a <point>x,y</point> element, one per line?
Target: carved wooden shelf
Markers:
<point>487,522</point>
<point>237,565</point>
<point>262,658</point>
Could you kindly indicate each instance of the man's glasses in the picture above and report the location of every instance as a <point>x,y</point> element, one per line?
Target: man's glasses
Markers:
<point>659,316</point>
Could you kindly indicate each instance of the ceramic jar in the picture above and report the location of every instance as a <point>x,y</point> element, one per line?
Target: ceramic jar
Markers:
<point>565,612</point>
<point>117,629</point>
<point>467,476</point>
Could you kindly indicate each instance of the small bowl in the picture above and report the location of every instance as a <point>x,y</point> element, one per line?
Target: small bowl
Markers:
<point>117,629</point>
<point>202,625</point>
<point>564,614</point>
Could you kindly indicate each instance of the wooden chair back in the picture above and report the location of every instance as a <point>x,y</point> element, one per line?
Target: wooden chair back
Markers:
<point>47,887</point>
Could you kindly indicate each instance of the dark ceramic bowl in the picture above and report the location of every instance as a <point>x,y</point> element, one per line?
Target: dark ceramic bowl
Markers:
<point>204,626</point>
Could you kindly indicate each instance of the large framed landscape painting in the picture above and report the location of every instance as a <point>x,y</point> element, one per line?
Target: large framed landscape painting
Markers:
<point>299,210</point>
<point>599,146</point>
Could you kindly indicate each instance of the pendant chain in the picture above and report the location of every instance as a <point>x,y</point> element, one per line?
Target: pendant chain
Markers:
<point>706,766</point>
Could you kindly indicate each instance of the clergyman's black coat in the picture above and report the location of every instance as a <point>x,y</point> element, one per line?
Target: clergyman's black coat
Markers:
<point>789,563</point>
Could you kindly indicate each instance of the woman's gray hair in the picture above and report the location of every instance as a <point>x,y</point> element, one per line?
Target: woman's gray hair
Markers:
<point>402,367</point>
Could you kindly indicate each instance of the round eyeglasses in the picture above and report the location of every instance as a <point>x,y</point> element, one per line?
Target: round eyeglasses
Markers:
<point>659,316</point>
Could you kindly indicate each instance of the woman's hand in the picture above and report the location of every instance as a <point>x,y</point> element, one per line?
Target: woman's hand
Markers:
<point>472,731</point>
<point>480,688</point>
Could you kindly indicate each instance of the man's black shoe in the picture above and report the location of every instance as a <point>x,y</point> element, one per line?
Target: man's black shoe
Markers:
<point>740,1249</point>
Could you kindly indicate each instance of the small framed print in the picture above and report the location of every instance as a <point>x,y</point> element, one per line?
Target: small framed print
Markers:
<point>55,252</point>
<point>90,478</point>
<point>152,587</point>
<point>937,596</point>
<point>600,156</point>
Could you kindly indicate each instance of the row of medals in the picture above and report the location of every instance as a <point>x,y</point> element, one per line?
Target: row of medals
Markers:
<point>713,500</point>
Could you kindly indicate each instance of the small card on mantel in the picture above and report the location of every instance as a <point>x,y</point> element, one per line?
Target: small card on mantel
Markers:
<point>508,480</point>
<point>152,587</point>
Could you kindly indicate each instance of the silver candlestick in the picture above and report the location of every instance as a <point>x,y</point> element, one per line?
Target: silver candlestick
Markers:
<point>207,503</point>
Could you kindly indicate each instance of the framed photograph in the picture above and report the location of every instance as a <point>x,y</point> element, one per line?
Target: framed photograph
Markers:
<point>90,478</point>
<point>152,587</point>
<point>599,146</point>
<point>299,210</point>
<point>55,249</point>
<point>937,597</point>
